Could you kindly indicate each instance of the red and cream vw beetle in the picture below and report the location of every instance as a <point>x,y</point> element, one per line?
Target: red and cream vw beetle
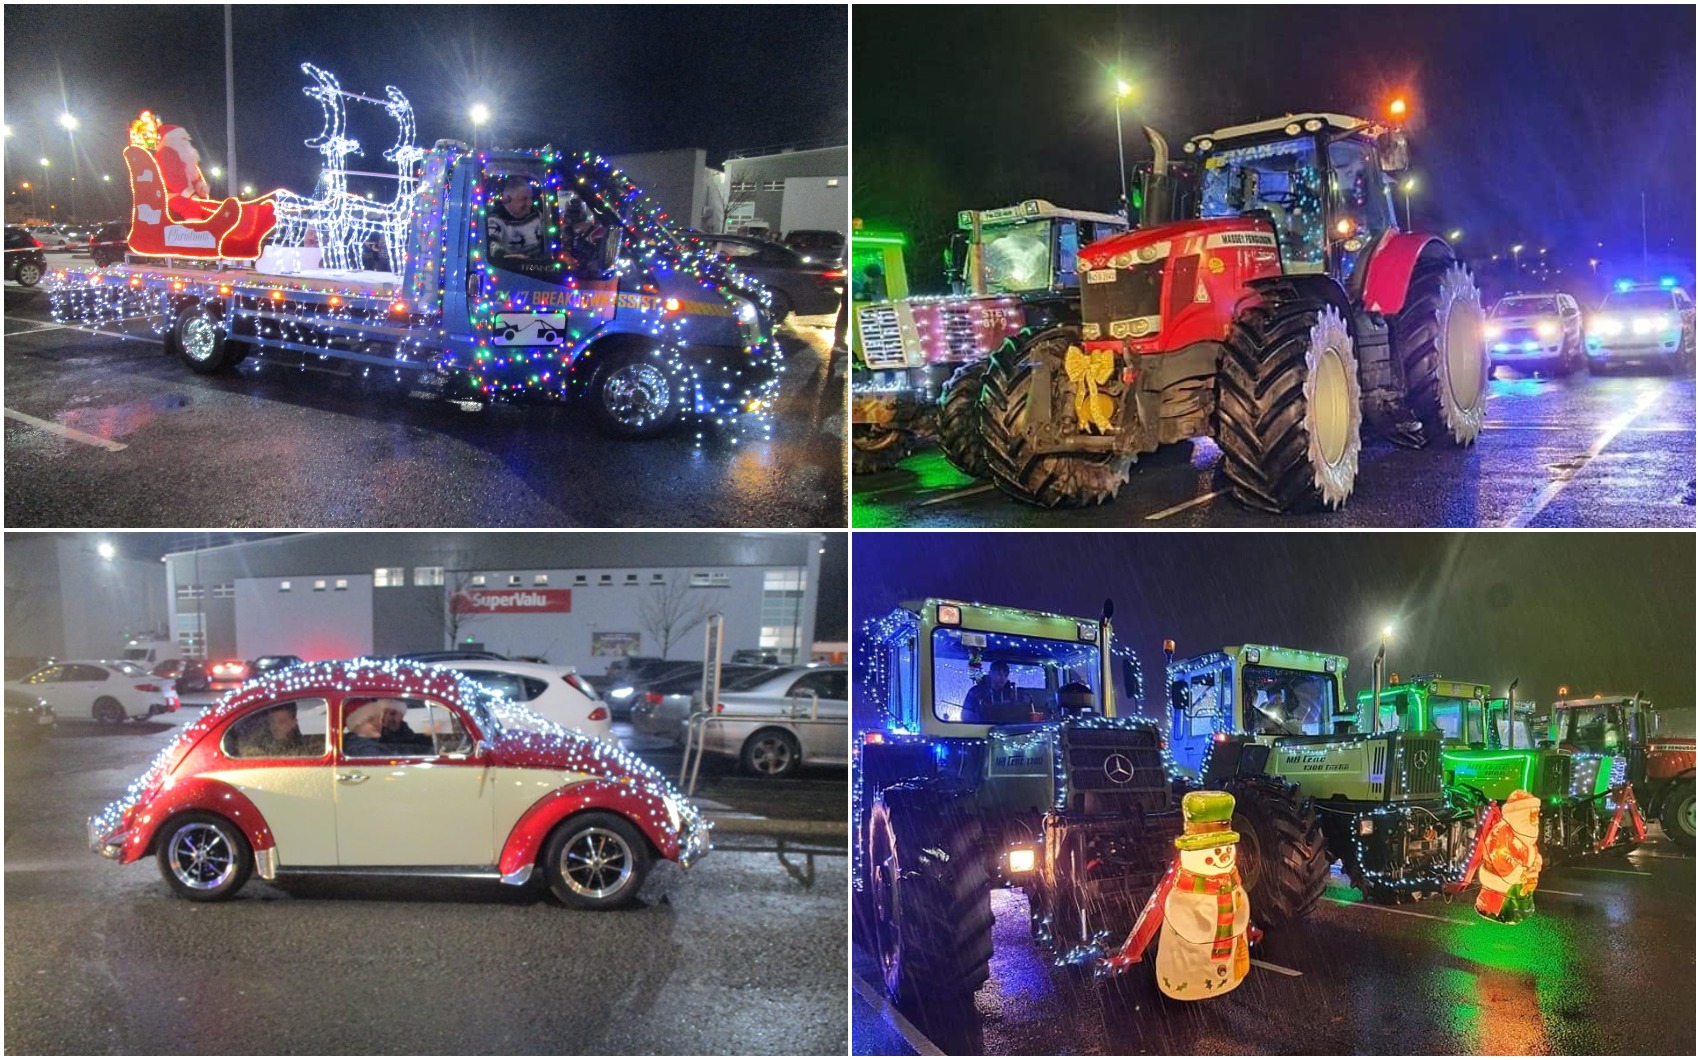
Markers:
<point>370,766</point>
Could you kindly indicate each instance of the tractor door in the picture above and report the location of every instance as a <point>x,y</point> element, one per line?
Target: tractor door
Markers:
<point>1201,706</point>
<point>1067,255</point>
<point>1359,209</point>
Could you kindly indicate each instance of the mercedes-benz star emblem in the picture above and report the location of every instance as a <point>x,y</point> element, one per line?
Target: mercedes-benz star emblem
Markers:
<point>1420,759</point>
<point>1119,768</point>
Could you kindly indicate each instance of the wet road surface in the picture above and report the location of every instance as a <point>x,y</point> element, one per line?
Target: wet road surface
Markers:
<point>1607,450</point>
<point>1606,966</point>
<point>744,953</point>
<point>104,431</point>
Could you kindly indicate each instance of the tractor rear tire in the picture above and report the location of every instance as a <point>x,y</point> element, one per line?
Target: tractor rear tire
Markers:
<point>1676,816</point>
<point>931,896</point>
<point>1052,480</point>
<point>1289,409</point>
<point>874,451</point>
<point>1438,338</point>
<point>1283,856</point>
<point>959,421</point>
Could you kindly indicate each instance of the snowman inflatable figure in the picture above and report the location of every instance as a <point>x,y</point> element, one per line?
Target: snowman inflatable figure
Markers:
<point>1202,949</point>
<point>1511,860</point>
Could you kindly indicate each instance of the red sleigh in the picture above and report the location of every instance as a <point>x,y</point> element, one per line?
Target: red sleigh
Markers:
<point>233,229</point>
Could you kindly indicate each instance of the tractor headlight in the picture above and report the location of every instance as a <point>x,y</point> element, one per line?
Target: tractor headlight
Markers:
<point>1021,859</point>
<point>1366,825</point>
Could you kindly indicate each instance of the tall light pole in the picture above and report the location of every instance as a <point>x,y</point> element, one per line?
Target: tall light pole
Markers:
<point>1123,91</point>
<point>229,101</point>
<point>68,122</point>
<point>1517,262</point>
<point>480,115</point>
<point>1410,186</point>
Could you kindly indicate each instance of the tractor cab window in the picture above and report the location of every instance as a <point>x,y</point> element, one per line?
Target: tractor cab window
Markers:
<point>1282,702</point>
<point>1008,679</point>
<point>1016,257</point>
<point>1502,731</point>
<point>1394,706</point>
<point>867,274</point>
<point>1358,195</point>
<point>1459,720</point>
<point>1596,729</point>
<point>1204,704</point>
<point>1068,252</point>
<point>1281,181</point>
<point>901,691</point>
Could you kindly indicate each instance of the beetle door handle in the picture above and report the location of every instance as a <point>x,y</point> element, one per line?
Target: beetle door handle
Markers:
<point>351,778</point>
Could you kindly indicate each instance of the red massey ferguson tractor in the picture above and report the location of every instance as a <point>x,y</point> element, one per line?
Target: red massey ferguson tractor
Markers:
<point>1269,301</point>
<point>1659,765</point>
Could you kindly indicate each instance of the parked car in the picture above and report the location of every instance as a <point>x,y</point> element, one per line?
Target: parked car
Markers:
<point>110,243</point>
<point>29,718</point>
<point>1540,332</point>
<point>228,673</point>
<point>808,288</point>
<point>1643,322</point>
<point>786,718</point>
<point>556,693</point>
<point>817,244</point>
<point>662,707</point>
<point>106,691</point>
<point>270,781</point>
<point>26,263</point>
<point>629,676</point>
<point>189,674</point>
<point>50,235</point>
<point>267,663</point>
<point>449,656</point>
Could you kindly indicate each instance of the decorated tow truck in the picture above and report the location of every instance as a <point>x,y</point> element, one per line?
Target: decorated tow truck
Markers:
<point>1488,752</point>
<point>1659,766</point>
<point>609,307</point>
<point>919,360</point>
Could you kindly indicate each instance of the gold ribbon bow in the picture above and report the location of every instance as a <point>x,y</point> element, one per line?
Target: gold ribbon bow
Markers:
<point>1089,371</point>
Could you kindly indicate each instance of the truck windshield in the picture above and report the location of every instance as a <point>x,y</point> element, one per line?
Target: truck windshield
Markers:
<point>1283,178</point>
<point>1281,702</point>
<point>1594,728</point>
<point>1016,257</point>
<point>1007,679</point>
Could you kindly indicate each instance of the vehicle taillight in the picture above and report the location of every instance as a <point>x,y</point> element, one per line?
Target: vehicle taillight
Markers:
<point>147,688</point>
<point>833,274</point>
<point>34,242</point>
<point>652,698</point>
<point>719,708</point>
<point>572,679</point>
<point>599,714</point>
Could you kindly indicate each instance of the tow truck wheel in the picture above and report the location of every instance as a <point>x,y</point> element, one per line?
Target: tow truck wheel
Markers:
<point>631,393</point>
<point>959,421</point>
<point>1438,338</point>
<point>1051,480</point>
<point>1676,817</point>
<point>199,338</point>
<point>1283,858</point>
<point>1289,411</point>
<point>930,895</point>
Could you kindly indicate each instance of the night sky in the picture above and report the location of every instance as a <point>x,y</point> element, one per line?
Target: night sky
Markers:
<point>1608,613</point>
<point>1535,125</point>
<point>611,79</point>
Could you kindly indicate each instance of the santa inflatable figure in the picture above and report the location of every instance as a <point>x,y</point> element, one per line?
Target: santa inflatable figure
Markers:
<point>1511,860</point>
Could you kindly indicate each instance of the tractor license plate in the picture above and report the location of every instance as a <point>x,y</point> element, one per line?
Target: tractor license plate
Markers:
<point>1101,276</point>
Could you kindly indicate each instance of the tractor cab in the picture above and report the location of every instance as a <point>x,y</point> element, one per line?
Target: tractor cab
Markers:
<point>1029,249</point>
<point>1607,724</point>
<point>1625,729</point>
<point>877,271</point>
<point>1258,693</point>
<point>1510,725</point>
<point>1455,708</point>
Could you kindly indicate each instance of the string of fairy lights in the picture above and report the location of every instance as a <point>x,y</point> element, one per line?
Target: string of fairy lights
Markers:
<point>522,734</point>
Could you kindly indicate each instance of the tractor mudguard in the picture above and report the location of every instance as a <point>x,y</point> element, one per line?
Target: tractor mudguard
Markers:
<point>1315,285</point>
<point>1390,268</point>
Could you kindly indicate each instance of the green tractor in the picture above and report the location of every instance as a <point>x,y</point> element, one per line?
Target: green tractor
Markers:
<point>1489,752</point>
<point>1258,718</point>
<point>993,751</point>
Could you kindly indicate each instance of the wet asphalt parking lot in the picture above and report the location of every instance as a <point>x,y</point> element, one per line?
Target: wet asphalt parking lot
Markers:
<point>1606,966</point>
<point>107,431</point>
<point>1614,450</point>
<point>743,953</point>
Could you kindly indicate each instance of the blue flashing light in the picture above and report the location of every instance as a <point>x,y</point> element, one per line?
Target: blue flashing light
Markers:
<point>1501,347</point>
<point>1667,282</point>
<point>1530,346</point>
<point>1624,285</point>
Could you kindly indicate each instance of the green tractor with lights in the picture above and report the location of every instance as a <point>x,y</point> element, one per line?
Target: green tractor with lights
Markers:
<point>1489,751</point>
<point>1270,720</point>
<point>994,749</point>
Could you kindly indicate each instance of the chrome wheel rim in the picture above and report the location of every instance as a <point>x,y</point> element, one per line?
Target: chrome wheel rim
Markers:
<point>635,394</point>
<point>596,863</point>
<point>202,857</point>
<point>199,339</point>
<point>771,755</point>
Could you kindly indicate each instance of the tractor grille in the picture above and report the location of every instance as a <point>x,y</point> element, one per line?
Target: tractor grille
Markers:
<point>1137,291</point>
<point>1088,767</point>
<point>882,340</point>
<point>1417,773</point>
<point>956,323</point>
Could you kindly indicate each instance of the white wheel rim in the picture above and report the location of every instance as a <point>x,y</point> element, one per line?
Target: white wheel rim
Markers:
<point>1462,360</point>
<point>1333,410</point>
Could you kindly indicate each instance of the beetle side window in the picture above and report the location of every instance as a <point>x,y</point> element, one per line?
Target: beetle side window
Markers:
<point>296,729</point>
<point>450,732</point>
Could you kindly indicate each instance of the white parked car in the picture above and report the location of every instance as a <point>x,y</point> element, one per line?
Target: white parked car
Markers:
<point>557,693</point>
<point>107,691</point>
<point>798,715</point>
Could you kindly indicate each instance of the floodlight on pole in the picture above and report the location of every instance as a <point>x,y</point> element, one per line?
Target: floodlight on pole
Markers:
<point>68,122</point>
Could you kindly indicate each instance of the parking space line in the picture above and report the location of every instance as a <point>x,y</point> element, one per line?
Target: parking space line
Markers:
<point>75,327</point>
<point>1195,502</point>
<point>1567,894</point>
<point>1391,909</point>
<point>1551,490</point>
<point>899,1022</point>
<point>1619,872</point>
<point>1276,968</point>
<point>66,432</point>
<point>969,492</point>
<point>1650,854</point>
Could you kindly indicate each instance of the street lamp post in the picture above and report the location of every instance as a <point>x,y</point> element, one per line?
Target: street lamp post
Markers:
<point>480,115</point>
<point>1123,91</point>
<point>68,122</point>
<point>1410,185</point>
<point>1516,259</point>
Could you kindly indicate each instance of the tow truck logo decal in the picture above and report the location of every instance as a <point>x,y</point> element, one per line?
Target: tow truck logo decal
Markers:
<point>1119,768</point>
<point>528,329</point>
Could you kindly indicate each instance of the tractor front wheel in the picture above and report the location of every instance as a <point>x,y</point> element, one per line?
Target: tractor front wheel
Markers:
<point>878,449</point>
<point>1050,480</point>
<point>1288,404</point>
<point>1438,338</point>
<point>1676,816</point>
<point>930,895</point>
<point>1283,858</point>
<point>959,420</point>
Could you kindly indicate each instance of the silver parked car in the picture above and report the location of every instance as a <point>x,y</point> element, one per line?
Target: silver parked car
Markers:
<point>783,719</point>
<point>662,707</point>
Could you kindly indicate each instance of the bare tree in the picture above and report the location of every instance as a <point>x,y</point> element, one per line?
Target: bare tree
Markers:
<point>670,611</point>
<point>737,194</point>
<point>460,569</point>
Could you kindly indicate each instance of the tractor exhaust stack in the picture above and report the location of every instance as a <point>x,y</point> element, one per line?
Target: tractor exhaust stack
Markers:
<point>1159,194</point>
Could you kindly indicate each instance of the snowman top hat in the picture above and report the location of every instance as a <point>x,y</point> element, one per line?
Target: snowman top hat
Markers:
<point>1206,820</point>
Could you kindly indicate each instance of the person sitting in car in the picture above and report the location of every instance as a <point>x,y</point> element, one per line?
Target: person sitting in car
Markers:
<point>517,229</point>
<point>397,733</point>
<point>363,731</point>
<point>276,733</point>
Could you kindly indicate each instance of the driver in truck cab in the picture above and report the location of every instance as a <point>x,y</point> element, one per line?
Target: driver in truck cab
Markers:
<point>995,700</point>
<point>516,227</point>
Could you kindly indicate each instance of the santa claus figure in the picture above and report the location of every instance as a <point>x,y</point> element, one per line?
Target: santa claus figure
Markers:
<point>1202,949</point>
<point>180,168</point>
<point>1511,860</point>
